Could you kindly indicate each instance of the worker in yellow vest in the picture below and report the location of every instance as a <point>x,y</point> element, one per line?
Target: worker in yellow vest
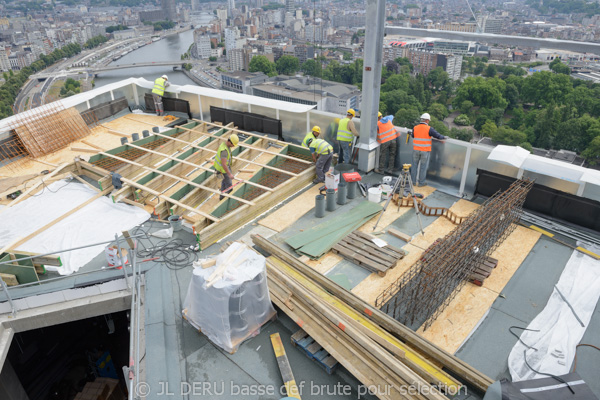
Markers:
<point>422,135</point>
<point>386,137</point>
<point>223,163</point>
<point>316,131</point>
<point>158,91</point>
<point>322,154</point>
<point>346,130</point>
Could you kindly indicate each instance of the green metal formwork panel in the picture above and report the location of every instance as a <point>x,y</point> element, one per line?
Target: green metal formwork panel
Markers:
<point>24,274</point>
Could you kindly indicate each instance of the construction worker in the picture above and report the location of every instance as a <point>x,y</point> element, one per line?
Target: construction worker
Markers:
<point>160,84</point>
<point>316,131</point>
<point>422,135</point>
<point>223,163</point>
<point>386,137</point>
<point>346,130</point>
<point>322,154</point>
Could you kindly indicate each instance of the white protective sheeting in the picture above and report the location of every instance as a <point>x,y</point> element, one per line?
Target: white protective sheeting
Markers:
<point>96,222</point>
<point>559,329</point>
<point>236,306</point>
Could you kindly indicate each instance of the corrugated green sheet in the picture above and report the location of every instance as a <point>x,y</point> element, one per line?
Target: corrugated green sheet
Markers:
<point>320,239</point>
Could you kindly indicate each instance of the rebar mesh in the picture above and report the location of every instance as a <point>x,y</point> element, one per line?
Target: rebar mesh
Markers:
<point>421,294</point>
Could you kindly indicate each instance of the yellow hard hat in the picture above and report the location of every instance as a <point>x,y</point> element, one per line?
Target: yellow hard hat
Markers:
<point>351,112</point>
<point>336,120</point>
<point>316,129</point>
<point>379,115</point>
<point>234,139</point>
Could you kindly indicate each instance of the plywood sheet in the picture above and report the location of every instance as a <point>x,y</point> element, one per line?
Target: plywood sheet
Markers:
<point>373,285</point>
<point>325,263</point>
<point>99,137</point>
<point>392,213</point>
<point>292,211</point>
<point>471,304</point>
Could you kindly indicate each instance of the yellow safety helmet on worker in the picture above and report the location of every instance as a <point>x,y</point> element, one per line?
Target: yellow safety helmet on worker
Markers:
<point>234,139</point>
<point>351,112</point>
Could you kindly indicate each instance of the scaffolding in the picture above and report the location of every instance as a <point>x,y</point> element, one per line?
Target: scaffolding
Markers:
<point>420,295</point>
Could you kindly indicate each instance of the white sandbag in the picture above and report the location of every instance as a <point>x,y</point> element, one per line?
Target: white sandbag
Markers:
<point>552,349</point>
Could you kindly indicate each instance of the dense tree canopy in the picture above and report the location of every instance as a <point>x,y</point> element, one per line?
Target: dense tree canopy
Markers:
<point>287,65</point>
<point>262,64</point>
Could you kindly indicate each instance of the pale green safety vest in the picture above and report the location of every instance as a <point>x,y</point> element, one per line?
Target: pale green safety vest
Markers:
<point>321,146</point>
<point>308,136</point>
<point>159,86</point>
<point>343,133</point>
<point>218,165</point>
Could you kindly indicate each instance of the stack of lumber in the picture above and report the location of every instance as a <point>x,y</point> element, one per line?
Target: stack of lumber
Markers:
<point>360,248</point>
<point>318,240</point>
<point>375,348</point>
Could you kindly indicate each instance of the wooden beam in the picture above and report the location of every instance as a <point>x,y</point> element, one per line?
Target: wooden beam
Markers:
<point>9,279</point>
<point>91,144</point>
<point>114,132</point>
<point>235,158</point>
<point>284,367</point>
<point>94,188</point>
<point>83,149</point>
<point>57,220</point>
<point>249,146</point>
<point>34,187</point>
<point>281,142</point>
<point>93,168</point>
<point>452,363</point>
<point>196,166</point>
<point>45,163</point>
<point>176,177</point>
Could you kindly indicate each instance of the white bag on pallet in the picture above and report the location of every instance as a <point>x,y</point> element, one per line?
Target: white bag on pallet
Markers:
<point>237,305</point>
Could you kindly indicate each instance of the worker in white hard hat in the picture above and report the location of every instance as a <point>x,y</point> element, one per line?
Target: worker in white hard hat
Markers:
<point>422,135</point>
<point>346,131</point>
<point>222,163</point>
<point>387,134</point>
<point>312,135</point>
<point>158,91</point>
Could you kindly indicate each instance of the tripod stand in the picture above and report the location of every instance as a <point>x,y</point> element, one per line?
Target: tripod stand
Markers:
<point>403,180</point>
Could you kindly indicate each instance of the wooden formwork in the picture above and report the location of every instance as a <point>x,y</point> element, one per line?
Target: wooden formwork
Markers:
<point>178,177</point>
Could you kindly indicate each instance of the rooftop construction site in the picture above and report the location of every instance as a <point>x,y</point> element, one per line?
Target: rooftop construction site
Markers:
<point>125,275</point>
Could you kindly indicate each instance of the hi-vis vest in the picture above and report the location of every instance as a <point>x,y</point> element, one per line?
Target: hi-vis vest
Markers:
<point>218,165</point>
<point>159,86</point>
<point>308,136</point>
<point>421,138</point>
<point>343,133</point>
<point>321,146</point>
<point>386,132</point>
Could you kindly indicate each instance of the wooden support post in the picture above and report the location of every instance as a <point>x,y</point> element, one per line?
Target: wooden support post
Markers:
<point>235,158</point>
<point>284,367</point>
<point>175,177</point>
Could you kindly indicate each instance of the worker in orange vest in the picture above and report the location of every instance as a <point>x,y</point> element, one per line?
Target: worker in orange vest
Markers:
<point>422,135</point>
<point>386,137</point>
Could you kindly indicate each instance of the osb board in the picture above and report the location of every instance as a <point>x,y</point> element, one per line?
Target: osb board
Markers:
<point>325,263</point>
<point>392,213</point>
<point>465,311</point>
<point>136,123</point>
<point>292,211</point>
<point>99,136</point>
<point>374,285</point>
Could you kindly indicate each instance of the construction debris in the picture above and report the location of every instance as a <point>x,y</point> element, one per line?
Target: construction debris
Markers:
<point>426,289</point>
<point>361,249</point>
<point>361,338</point>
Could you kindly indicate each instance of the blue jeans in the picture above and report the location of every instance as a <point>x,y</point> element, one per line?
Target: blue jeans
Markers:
<point>421,157</point>
<point>344,152</point>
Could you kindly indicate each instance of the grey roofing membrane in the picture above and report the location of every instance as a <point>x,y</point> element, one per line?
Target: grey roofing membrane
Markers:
<point>176,352</point>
